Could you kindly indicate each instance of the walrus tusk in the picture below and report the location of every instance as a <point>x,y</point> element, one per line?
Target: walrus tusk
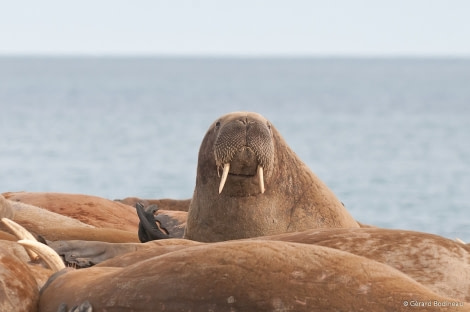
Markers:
<point>261,179</point>
<point>224,177</point>
<point>53,260</point>
<point>22,234</point>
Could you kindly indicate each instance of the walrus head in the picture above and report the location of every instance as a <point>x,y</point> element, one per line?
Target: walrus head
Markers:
<point>249,183</point>
<point>243,150</point>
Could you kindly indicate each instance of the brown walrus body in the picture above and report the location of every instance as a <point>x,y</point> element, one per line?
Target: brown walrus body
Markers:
<point>244,276</point>
<point>92,210</point>
<point>18,288</point>
<point>438,263</point>
<point>441,264</point>
<point>55,226</point>
<point>268,189</point>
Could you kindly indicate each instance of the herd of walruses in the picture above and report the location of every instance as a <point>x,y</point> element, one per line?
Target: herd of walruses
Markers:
<point>261,233</point>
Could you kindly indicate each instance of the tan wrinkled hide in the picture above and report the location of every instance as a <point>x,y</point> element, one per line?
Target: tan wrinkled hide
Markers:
<point>20,280</point>
<point>242,276</point>
<point>18,288</point>
<point>438,263</point>
<point>96,211</point>
<point>55,226</point>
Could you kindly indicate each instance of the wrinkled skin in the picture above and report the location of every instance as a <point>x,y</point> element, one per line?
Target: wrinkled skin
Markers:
<point>55,226</point>
<point>241,276</point>
<point>92,210</point>
<point>436,262</point>
<point>441,264</point>
<point>294,198</point>
<point>19,290</point>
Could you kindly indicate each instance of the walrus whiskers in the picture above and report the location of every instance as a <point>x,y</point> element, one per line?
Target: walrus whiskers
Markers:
<point>224,177</point>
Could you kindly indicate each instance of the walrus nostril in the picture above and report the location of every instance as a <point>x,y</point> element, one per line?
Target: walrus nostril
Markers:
<point>243,120</point>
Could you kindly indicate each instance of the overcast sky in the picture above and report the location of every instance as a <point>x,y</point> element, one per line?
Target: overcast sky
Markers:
<point>239,27</point>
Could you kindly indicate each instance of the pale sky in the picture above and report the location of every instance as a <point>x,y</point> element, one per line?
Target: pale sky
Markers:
<point>236,28</point>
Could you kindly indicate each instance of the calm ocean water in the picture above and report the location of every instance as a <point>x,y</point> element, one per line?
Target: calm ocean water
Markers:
<point>389,136</point>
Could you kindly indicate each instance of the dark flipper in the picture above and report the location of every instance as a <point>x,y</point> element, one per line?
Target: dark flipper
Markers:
<point>148,229</point>
<point>172,224</point>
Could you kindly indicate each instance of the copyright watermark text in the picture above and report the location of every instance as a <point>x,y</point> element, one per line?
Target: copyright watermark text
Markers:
<point>432,303</point>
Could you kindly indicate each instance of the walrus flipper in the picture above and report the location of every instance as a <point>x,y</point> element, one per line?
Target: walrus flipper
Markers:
<point>148,229</point>
<point>172,224</point>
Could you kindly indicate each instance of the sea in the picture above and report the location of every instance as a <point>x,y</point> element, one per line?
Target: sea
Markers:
<point>389,136</point>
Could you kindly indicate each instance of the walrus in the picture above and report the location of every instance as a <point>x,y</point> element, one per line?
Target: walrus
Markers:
<point>359,282</point>
<point>436,262</point>
<point>250,183</point>
<point>22,272</point>
<point>93,210</point>
<point>6,211</point>
<point>245,276</point>
<point>55,226</point>
<point>38,269</point>
<point>18,288</point>
<point>439,263</point>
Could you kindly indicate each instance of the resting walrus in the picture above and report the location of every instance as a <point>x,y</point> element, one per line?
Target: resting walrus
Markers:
<point>244,276</point>
<point>250,183</point>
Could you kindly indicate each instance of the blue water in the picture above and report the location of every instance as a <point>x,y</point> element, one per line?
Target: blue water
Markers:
<point>389,136</point>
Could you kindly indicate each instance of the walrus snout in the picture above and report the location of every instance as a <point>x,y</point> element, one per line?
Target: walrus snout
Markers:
<point>244,163</point>
<point>244,147</point>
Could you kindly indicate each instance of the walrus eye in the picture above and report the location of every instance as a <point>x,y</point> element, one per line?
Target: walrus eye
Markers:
<point>217,124</point>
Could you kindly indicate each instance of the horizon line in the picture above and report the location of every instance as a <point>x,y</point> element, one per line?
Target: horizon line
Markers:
<point>237,55</point>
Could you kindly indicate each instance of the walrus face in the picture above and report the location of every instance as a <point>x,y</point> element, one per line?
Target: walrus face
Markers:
<point>243,151</point>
